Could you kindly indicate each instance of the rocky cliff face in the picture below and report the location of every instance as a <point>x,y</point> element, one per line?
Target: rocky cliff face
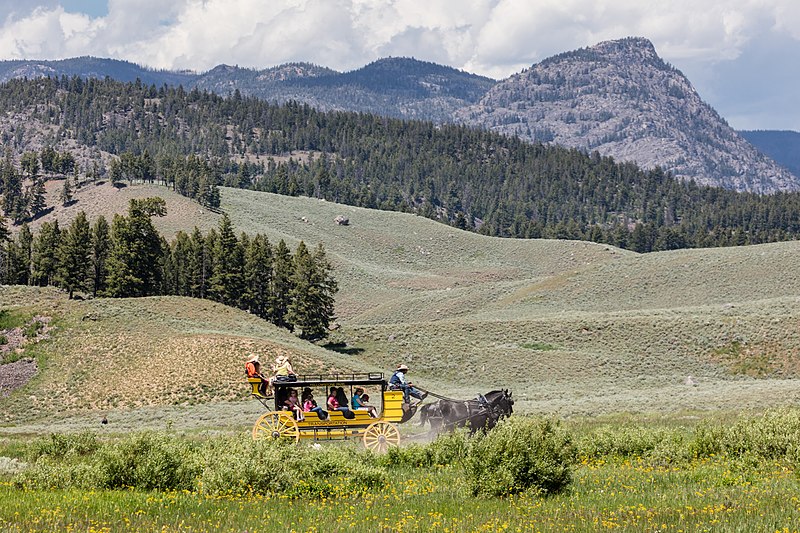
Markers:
<point>621,99</point>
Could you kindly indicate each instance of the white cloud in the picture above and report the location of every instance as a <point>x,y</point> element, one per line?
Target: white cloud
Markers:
<point>491,37</point>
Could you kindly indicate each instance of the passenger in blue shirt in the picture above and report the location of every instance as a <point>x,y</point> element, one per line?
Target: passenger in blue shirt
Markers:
<point>358,402</point>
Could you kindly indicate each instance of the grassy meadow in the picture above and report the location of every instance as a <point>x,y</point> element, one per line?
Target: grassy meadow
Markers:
<point>729,476</point>
<point>652,363</point>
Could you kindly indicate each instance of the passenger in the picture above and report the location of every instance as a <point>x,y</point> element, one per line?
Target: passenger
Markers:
<point>310,405</point>
<point>359,402</point>
<point>398,382</point>
<point>341,397</point>
<point>294,405</point>
<point>253,369</point>
<point>334,405</point>
<point>283,369</point>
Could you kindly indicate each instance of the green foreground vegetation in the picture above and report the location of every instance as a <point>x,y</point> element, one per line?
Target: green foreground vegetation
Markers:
<point>530,474</point>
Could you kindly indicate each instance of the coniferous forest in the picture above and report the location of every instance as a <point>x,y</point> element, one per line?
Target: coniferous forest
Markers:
<point>128,258</point>
<point>195,141</point>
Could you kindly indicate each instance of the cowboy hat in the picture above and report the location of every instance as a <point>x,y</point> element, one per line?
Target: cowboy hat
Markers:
<point>252,359</point>
<point>402,367</point>
<point>281,359</point>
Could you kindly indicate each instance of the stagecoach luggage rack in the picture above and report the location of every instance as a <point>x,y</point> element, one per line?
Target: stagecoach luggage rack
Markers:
<point>363,378</point>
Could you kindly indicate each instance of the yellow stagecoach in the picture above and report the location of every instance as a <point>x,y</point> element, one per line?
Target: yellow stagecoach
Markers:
<point>378,433</point>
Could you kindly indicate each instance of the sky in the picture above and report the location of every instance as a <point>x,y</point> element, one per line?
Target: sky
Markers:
<point>742,56</point>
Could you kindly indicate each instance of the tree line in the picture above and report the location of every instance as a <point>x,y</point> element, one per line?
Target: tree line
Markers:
<point>128,258</point>
<point>195,141</point>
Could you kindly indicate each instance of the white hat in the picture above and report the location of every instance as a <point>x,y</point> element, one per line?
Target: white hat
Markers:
<point>252,359</point>
<point>402,367</point>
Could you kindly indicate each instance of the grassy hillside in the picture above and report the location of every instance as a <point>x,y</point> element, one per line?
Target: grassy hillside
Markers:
<point>572,327</point>
<point>131,353</point>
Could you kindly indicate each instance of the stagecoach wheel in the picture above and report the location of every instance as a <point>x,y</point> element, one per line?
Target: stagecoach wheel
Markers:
<point>380,436</point>
<point>276,425</point>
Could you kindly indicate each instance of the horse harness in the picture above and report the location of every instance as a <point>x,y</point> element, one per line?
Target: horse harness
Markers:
<point>494,411</point>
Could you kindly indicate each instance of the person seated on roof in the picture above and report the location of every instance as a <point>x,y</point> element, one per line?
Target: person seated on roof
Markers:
<point>283,369</point>
<point>310,404</point>
<point>294,405</point>
<point>398,382</point>
<point>359,403</point>
<point>253,369</point>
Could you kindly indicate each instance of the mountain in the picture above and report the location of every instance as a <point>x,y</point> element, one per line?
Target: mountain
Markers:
<point>92,67</point>
<point>622,100</point>
<point>395,87</point>
<point>782,146</point>
<point>467,177</point>
<point>617,97</point>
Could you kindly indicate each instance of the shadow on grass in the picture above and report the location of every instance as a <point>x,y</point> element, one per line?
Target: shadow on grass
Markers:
<point>342,347</point>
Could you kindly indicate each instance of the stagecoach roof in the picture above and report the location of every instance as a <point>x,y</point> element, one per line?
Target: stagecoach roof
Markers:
<point>311,380</point>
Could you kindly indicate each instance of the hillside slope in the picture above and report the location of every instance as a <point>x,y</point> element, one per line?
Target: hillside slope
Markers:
<point>130,353</point>
<point>571,327</point>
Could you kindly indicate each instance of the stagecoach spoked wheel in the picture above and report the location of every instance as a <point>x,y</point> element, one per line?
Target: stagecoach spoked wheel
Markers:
<point>380,436</point>
<point>276,425</point>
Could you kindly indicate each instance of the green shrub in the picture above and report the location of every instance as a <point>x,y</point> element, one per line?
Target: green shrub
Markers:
<point>32,330</point>
<point>51,474</point>
<point>241,466</point>
<point>12,319</point>
<point>520,454</point>
<point>446,449</point>
<point>628,441</point>
<point>709,439</point>
<point>148,461</point>
<point>775,435</point>
<point>64,446</point>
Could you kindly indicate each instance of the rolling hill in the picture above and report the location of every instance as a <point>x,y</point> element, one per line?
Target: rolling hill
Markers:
<point>572,327</point>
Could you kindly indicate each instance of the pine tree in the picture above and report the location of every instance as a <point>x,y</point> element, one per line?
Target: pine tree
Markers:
<point>180,264</point>
<point>45,254</point>
<point>196,271</point>
<point>4,236</point>
<point>19,257</point>
<point>29,162</point>
<point>49,158</point>
<point>134,262</point>
<point>74,255</point>
<point>281,285</point>
<point>299,312</point>
<point>226,281</point>
<point>37,202</point>
<point>14,205</point>
<point>312,305</point>
<point>258,276</point>
<point>101,246</point>
<point>325,306</point>
<point>66,192</point>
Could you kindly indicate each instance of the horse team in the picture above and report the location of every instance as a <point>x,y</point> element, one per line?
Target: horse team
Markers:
<point>482,413</point>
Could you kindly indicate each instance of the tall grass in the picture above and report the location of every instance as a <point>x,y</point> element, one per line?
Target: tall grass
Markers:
<point>720,477</point>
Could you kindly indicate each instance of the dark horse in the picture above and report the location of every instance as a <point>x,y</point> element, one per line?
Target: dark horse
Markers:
<point>482,413</point>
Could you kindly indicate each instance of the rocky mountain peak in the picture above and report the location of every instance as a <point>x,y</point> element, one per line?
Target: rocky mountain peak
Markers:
<point>622,100</point>
<point>629,48</point>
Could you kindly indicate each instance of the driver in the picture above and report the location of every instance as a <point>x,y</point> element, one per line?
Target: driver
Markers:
<point>398,382</point>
